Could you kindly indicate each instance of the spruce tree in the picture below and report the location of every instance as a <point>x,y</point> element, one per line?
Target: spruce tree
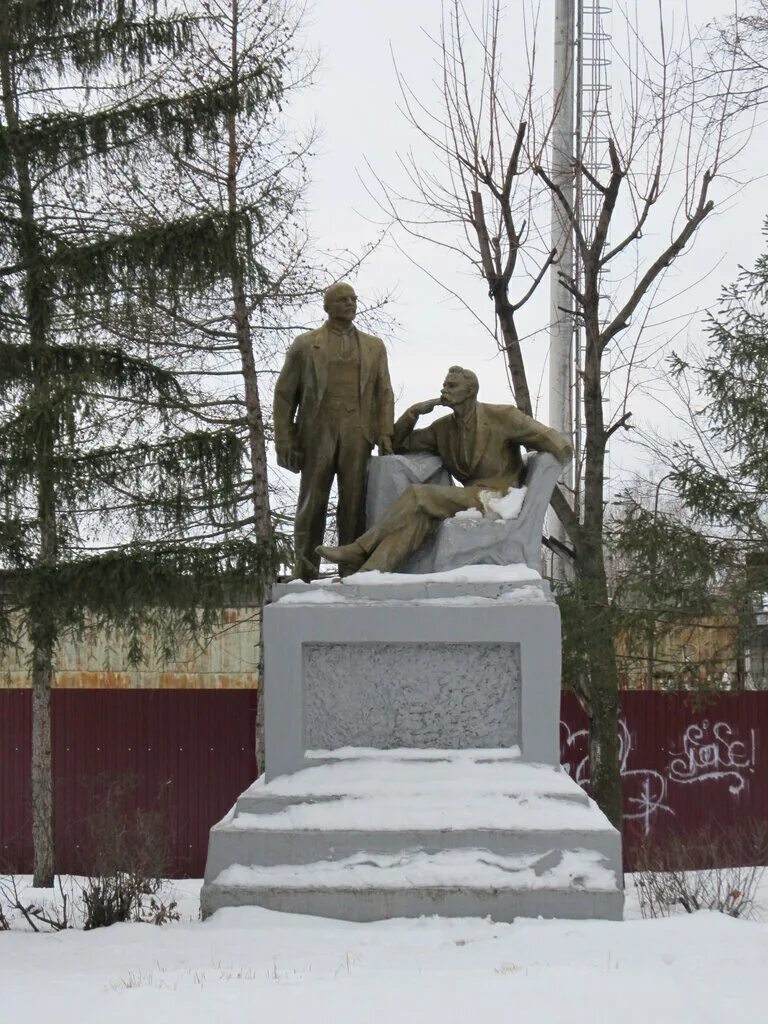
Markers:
<point>114,486</point>
<point>723,477</point>
<point>724,481</point>
<point>231,339</point>
<point>667,575</point>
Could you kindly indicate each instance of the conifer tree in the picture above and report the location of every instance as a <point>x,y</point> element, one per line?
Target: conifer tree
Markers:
<point>666,575</point>
<point>725,481</point>
<point>231,339</point>
<point>114,486</point>
<point>723,477</point>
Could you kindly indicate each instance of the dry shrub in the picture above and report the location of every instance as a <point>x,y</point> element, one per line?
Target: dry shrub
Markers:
<point>40,915</point>
<point>127,856</point>
<point>718,869</point>
<point>125,859</point>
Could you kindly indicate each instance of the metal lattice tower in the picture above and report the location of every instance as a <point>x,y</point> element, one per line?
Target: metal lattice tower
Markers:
<point>581,123</point>
<point>593,91</point>
<point>592,97</point>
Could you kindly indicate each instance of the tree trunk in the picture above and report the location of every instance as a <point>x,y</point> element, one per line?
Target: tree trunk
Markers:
<point>506,318</point>
<point>602,684</point>
<point>40,617</point>
<point>42,774</point>
<point>604,773</point>
<point>253,410</point>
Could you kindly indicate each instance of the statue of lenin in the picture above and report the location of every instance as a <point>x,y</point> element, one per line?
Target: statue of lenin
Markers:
<point>333,402</point>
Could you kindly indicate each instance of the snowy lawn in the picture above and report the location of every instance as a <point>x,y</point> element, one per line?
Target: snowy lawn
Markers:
<point>250,965</point>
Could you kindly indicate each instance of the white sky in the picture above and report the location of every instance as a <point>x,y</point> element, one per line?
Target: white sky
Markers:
<point>355,102</point>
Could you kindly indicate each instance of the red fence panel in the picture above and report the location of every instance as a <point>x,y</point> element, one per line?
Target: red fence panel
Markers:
<point>686,763</point>
<point>15,758</point>
<point>184,753</point>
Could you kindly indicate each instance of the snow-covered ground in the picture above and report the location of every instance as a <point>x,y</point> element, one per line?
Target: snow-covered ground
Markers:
<point>251,965</point>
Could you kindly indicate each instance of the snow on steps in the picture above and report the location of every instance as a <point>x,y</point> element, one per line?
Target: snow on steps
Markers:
<point>366,834</point>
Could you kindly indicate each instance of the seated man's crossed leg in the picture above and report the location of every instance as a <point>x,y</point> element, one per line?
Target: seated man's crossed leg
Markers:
<point>415,514</point>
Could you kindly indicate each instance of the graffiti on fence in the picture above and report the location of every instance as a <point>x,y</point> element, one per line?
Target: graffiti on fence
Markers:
<point>645,789</point>
<point>707,751</point>
<point>710,751</point>
<point>574,753</point>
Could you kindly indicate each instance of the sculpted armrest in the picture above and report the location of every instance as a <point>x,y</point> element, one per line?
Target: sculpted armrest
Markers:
<point>541,474</point>
<point>466,541</point>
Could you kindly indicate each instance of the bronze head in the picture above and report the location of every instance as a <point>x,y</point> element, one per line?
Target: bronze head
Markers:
<point>459,386</point>
<point>340,301</point>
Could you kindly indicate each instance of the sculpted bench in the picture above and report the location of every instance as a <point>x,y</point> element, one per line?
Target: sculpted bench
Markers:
<point>466,539</point>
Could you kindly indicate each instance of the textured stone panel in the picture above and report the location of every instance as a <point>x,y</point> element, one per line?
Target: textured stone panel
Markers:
<point>434,695</point>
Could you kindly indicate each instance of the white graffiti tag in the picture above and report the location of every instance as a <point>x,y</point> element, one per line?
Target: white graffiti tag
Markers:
<point>575,744</point>
<point>644,789</point>
<point>712,752</point>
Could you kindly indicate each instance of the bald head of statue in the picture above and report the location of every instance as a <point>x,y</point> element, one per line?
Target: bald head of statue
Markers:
<point>340,302</point>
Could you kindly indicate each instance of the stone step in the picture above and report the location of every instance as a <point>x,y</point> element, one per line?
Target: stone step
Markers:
<point>367,904</point>
<point>253,802</point>
<point>460,882</point>
<point>384,781</point>
<point>255,846</point>
<point>362,834</point>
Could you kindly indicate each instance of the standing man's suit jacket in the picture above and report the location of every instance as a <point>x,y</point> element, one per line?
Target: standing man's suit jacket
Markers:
<point>302,383</point>
<point>494,461</point>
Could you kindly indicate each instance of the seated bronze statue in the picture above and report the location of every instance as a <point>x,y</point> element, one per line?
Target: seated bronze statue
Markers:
<point>480,446</point>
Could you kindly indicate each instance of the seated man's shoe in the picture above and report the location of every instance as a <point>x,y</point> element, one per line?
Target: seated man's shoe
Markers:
<point>351,556</point>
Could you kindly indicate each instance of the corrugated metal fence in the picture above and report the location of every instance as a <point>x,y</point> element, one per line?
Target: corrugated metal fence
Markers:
<point>183,753</point>
<point>689,762</point>
<point>188,753</point>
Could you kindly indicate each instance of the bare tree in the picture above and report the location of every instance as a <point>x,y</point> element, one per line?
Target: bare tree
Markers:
<point>741,41</point>
<point>488,199</point>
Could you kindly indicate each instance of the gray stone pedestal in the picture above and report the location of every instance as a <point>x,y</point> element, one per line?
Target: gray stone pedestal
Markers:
<point>412,758</point>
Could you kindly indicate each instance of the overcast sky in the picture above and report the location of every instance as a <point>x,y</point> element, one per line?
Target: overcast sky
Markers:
<point>355,101</point>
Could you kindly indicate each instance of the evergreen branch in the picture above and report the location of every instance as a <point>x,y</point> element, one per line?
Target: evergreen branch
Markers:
<point>36,17</point>
<point>183,121</point>
<point>180,256</point>
<point>88,47</point>
<point>147,577</point>
<point>71,368</point>
<point>171,480</point>
<point>171,477</point>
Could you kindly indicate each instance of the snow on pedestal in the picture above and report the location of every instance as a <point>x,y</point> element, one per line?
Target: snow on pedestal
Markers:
<point>412,758</point>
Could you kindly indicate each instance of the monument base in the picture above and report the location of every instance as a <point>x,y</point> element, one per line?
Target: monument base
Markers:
<point>412,758</point>
<point>461,659</point>
<point>367,834</point>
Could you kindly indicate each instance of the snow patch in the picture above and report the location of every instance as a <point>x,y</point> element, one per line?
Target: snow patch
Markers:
<point>468,514</point>
<point>479,790</point>
<point>470,868</point>
<point>314,597</point>
<point>504,506</point>
<point>296,968</point>
<point>516,573</point>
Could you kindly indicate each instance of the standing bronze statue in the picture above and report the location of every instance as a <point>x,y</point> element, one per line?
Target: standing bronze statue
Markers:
<point>333,402</point>
<point>480,446</point>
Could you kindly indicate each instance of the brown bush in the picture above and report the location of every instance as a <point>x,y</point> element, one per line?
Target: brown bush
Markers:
<point>719,869</point>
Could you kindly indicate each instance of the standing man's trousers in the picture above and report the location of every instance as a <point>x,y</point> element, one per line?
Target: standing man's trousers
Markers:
<point>338,449</point>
